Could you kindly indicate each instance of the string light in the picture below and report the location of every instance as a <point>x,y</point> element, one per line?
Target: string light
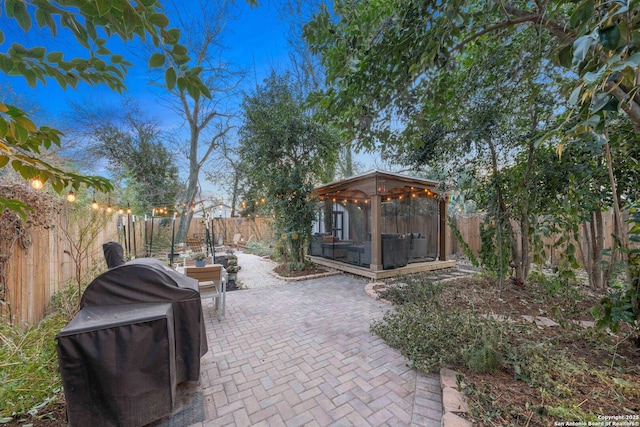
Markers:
<point>37,183</point>
<point>94,205</point>
<point>71,196</point>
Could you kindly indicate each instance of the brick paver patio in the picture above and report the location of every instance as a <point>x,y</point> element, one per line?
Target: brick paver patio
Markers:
<point>302,354</point>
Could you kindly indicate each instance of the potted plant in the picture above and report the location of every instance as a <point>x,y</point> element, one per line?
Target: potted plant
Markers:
<point>232,267</point>
<point>200,259</point>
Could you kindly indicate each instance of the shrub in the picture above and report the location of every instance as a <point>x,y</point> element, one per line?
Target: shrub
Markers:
<point>432,336</point>
<point>260,248</point>
<point>29,374</point>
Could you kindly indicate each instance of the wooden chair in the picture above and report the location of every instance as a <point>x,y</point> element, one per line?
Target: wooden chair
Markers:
<point>237,238</point>
<point>213,275</point>
<point>195,244</point>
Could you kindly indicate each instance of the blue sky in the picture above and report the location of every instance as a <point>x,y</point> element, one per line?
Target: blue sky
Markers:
<point>254,41</point>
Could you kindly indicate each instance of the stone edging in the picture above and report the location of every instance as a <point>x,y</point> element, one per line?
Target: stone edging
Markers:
<point>453,401</point>
<point>371,290</point>
<point>301,278</point>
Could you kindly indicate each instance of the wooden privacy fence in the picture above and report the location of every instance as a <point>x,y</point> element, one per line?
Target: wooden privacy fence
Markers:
<point>469,227</point>
<point>224,229</point>
<point>154,236</point>
<point>46,265</point>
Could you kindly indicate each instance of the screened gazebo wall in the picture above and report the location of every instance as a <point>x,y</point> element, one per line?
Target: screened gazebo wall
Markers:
<point>379,220</point>
<point>409,229</point>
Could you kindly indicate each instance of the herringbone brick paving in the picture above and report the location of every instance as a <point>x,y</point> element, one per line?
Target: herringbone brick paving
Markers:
<point>302,354</point>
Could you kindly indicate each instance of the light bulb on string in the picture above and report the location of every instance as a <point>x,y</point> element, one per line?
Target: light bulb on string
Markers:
<point>37,183</point>
<point>71,196</point>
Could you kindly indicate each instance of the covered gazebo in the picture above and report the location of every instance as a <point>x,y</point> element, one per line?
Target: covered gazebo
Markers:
<point>380,224</point>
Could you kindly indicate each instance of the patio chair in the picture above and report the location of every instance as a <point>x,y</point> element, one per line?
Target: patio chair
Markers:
<point>195,244</point>
<point>211,276</point>
<point>237,238</point>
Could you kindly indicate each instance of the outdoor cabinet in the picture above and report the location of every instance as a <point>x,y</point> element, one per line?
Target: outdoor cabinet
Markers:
<point>118,365</point>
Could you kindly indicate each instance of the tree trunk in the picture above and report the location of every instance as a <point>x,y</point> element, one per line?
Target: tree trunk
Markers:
<point>504,217</point>
<point>524,250</point>
<point>187,214</point>
<point>235,190</point>
<point>586,255</point>
<point>596,278</point>
<point>622,231</point>
<point>525,206</point>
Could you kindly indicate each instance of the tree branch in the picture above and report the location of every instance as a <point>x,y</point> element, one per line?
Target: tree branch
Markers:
<point>628,106</point>
<point>509,23</point>
<point>557,28</point>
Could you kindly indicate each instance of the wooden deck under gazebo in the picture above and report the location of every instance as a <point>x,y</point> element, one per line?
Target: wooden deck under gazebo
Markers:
<point>381,224</point>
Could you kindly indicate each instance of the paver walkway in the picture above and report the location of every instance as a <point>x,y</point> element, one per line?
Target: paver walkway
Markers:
<point>302,354</point>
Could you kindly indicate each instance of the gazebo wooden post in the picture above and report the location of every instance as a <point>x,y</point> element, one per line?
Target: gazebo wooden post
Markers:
<point>443,230</point>
<point>376,229</point>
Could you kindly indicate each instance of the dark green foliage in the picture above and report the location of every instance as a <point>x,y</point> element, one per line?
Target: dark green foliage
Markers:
<point>135,148</point>
<point>285,152</point>
<point>431,335</point>
<point>463,245</point>
<point>622,305</point>
<point>486,359</point>
<point>494,249</point>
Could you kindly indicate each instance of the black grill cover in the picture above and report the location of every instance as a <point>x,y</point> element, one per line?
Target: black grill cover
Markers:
<point>148,280</point>
<point>113,254</point>
<point>117,365</point>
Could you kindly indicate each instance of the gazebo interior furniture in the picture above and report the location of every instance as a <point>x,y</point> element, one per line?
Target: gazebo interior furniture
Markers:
<point>380,224</point>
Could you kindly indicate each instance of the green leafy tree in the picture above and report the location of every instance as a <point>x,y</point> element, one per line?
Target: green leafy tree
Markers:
<point>381,56</point>
<point>499,103</point>
<point>385,58</point>
<point>91,24</point>
<point>134,147</point>
<point>285,152</point>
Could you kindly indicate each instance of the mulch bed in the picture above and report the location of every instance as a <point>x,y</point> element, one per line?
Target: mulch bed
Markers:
<point>309,270</point>
<point>503,399</point>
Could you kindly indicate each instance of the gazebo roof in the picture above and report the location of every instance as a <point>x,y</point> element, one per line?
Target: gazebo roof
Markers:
<point>377,182</point>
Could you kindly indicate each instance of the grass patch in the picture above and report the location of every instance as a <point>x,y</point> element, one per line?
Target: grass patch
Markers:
<point>260,248</point>
<point>29,373</point>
